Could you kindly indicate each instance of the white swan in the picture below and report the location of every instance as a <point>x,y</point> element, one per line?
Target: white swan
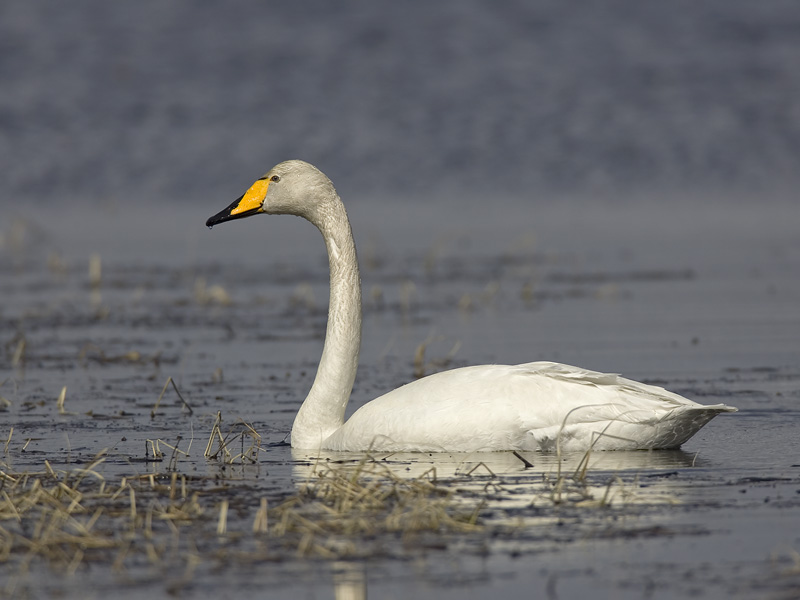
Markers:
<point>539,405</point>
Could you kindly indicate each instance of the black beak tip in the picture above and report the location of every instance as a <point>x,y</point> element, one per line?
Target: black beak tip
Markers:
<point>218,218</point>
<point>224,214</point>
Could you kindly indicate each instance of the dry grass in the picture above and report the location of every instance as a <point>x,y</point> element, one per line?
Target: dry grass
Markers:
<point>340,504</point>
<point>186,405</point>
<point>223,447</point>
<point>68,520</point>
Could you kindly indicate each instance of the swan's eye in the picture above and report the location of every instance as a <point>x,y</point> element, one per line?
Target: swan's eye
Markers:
<point>275,178</point>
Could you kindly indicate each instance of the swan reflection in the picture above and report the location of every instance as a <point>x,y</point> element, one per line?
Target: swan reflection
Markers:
<point>511,479</point>
<point>349,581</point>
<point>415,464</point>
<point>512,497</point>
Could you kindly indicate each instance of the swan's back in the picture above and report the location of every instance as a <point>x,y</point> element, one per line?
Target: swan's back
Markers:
<point>540,405</point>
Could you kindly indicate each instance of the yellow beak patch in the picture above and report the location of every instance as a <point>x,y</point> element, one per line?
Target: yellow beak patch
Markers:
<point>253,198</point>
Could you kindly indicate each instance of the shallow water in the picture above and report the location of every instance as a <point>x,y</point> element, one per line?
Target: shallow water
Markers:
<point>704,304</point>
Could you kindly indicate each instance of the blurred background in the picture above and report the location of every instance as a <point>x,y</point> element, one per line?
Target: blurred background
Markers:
<point>188,101</point>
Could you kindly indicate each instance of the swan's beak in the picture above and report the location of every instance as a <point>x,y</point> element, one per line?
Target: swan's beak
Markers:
<point>247,204</point>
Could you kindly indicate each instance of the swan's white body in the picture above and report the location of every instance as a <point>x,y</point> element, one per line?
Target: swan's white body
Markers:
<point>540,405</point>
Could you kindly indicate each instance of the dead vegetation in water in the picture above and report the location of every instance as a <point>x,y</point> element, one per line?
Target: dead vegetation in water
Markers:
<point>92,353</point>
<point>223,447</point>
<point>70,520</point>
<point>340,505</point>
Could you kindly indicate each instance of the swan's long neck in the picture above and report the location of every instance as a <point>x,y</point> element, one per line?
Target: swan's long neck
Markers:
<point>322,412</point>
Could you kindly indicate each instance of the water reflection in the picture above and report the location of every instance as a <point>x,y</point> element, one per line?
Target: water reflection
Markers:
<point>519,494</point>
<point>508,481</point>
<point>498,463</point>
<point>349,581</point>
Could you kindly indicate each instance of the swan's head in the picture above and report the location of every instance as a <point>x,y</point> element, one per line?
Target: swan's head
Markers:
<point>292,187</point>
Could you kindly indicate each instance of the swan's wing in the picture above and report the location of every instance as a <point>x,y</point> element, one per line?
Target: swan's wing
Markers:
<point>605,410</point>
<point>625,391</point>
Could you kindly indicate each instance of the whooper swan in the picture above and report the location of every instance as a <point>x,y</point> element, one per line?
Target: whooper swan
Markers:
<point>538,405</point>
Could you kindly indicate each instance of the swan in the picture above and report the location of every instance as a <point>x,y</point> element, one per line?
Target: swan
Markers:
<point>539,405</point>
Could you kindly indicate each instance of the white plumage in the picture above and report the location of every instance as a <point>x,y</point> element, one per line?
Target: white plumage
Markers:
<point>540,405</point>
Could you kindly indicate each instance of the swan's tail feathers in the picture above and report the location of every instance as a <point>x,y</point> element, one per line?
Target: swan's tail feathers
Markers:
<point>716,408</point>
<point>683,423</point>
